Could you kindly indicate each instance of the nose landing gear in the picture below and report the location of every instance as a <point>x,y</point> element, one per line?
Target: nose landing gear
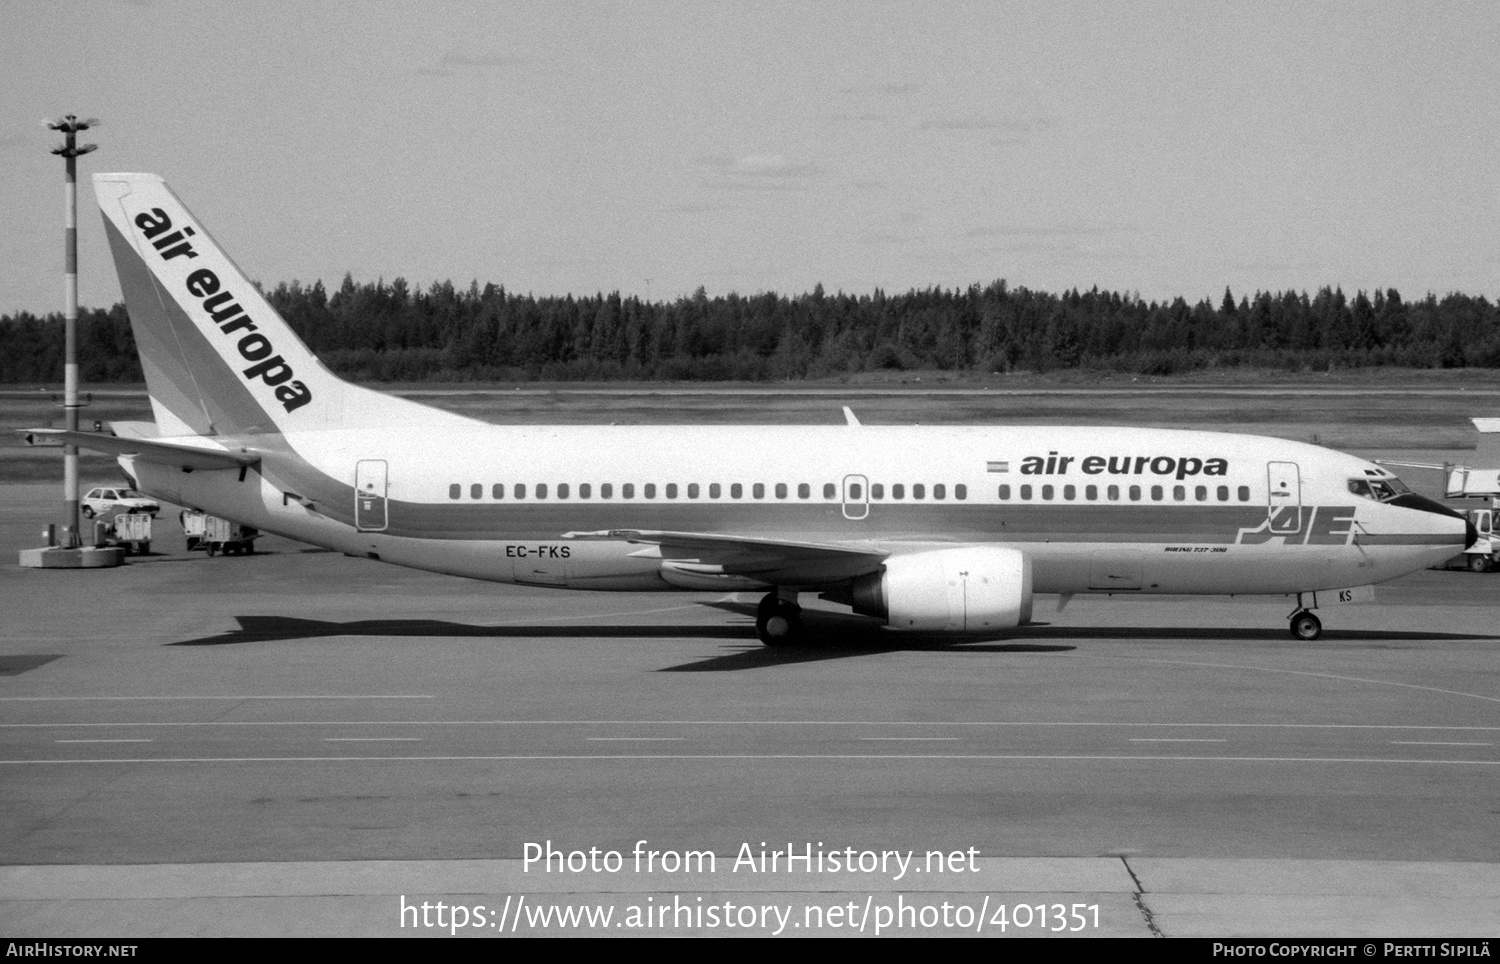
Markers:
<point>1305,625</point>
<point>778,620</point>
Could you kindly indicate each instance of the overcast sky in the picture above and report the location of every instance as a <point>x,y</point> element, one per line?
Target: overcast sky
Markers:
<point>1163,148</point>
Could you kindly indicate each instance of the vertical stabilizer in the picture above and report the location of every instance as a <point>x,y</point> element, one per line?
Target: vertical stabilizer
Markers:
<point>218,358</point>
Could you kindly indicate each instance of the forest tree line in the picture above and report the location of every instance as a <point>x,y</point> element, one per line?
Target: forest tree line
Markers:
<point>398,332</point>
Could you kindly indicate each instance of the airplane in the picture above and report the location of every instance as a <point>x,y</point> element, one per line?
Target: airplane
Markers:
<point>934,529</point>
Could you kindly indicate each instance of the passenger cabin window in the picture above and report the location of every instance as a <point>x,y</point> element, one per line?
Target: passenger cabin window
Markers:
<point>918,491</point>
<point>1201,493</point>
<point>736,491</point>
<point>758,490</point>
<point>1179,493</point>
<point>960,492</point>
<point>898,491</point>
<point>1047,492</point>
<point>1091,493</point>
<point>780,490</point>
<point>497,491</point>
<point>1244,493</point>
<point>940,491</point>
<point>877,490</point>
<point>454,491</point>
<point>650,490</point>
<point>584,490</point>
<point>804,491</point>
<point>1156,493</point>
<point>476,491</point>
<point>830,491</point>
<point>628,490</point>
<point>671,490</point>
<point>856,491</point>
<point>1004,492</point>
<point>606,490</point>
<point>1223,493</point>
<point>520,490</point>
<point>562,490</point>
<point>1070,492</point>
<point>541,490</point>
<point>1025,493</point>
<point>692,490</point>
<point>714,490</point>
<point>1135,493</point>
<point>1114,493</point>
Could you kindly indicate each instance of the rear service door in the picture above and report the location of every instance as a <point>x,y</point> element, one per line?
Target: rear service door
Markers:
<point>856,496</point>
<point>369,495</point>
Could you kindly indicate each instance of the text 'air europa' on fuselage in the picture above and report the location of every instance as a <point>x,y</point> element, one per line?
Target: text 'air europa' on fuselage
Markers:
<point>221,306</point>
<point>1055,464</point>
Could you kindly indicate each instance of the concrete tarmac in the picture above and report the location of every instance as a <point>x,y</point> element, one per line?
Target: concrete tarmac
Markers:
<point>303,743</point>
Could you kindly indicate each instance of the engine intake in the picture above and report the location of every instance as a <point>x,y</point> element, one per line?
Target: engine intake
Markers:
<point>964,589</point>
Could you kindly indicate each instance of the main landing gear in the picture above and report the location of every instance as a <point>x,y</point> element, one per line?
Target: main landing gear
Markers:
<point>1306,626</point>
<point>778,618</point>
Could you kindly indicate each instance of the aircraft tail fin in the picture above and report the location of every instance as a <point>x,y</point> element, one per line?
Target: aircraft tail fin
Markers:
<point>218,359</point>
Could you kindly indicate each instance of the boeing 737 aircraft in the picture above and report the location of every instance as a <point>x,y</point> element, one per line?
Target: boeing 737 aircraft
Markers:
<point>936,529</point>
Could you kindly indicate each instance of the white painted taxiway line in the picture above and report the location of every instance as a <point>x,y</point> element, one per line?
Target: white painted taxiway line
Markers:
<point>372,739</point>
<point>580,757</point>
<point>1292,672</point>
<point>319,696</point>
<point>1433,743</point>
<point>913,739</point>
<point>955,724</point>
<point>101,741</point>
<point>635,739</point>
<point>1171,739</point>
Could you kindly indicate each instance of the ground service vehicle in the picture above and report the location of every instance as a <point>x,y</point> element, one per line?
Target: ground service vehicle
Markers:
<point>99,501</point>
<point>213,534</point>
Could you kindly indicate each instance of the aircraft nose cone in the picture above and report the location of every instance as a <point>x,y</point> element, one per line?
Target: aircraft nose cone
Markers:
<point>1410,500</point>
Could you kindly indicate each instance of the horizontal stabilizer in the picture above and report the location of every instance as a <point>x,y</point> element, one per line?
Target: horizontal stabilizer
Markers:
<point>164,453</point>
<point>134,429</point>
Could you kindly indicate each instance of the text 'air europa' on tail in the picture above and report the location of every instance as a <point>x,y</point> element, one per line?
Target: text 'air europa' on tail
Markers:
<point>218,359</point>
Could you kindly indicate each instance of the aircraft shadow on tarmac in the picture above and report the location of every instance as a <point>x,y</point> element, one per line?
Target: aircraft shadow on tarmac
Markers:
<point>258,629</point>
<point>828,636</point>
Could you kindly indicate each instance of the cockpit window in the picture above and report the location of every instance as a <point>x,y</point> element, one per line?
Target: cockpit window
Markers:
<point>1381,490</point>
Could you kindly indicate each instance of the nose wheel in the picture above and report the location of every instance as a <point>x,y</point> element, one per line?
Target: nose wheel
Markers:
<point>1305,625</point>
<point>778,622</point>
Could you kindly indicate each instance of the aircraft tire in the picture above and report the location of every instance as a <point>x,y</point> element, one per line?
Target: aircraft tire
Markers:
<point>1306,626</point>
<point>1479,563</point>
<point>778,623</point>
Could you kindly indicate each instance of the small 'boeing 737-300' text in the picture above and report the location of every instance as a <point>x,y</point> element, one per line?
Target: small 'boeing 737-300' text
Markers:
<point>939,529</point>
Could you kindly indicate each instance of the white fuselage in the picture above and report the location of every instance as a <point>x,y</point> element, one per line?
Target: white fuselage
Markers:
<point>1095,509</point>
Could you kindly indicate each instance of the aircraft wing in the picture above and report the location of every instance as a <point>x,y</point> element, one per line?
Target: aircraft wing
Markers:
<point>780,561</point>
<point>165,453</point>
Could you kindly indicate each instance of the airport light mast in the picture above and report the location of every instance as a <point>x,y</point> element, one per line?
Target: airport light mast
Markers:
<point>70,152</point>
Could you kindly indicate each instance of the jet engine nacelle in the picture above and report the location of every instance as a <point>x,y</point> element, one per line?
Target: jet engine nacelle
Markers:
<point>964,589</point>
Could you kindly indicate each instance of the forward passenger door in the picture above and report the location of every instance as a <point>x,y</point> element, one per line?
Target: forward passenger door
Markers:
<point>1284,495</point>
